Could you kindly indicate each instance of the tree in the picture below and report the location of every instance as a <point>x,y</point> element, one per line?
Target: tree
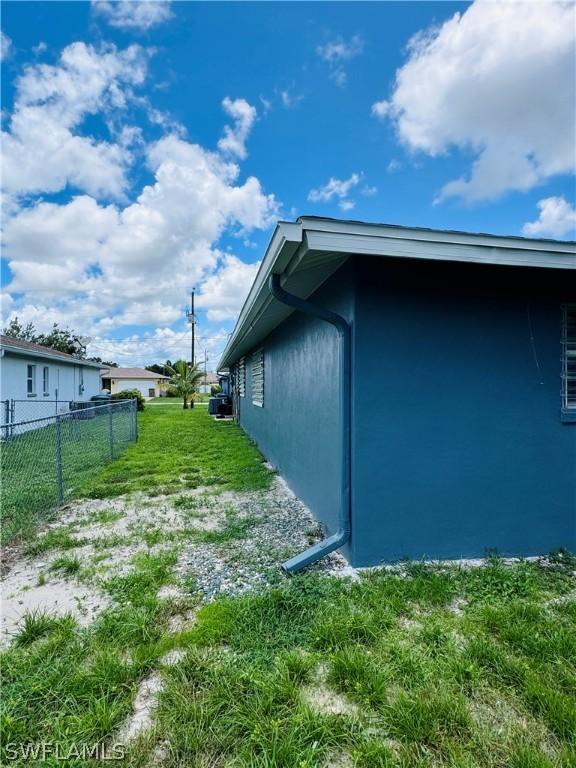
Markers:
<point>16,330</point>
<point>185,379</point>
<point>103,363</point>
<point>61,339</point>
<point>162,369</point>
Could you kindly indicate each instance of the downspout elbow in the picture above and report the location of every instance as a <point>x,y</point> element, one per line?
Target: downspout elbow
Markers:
<point>342,535</point>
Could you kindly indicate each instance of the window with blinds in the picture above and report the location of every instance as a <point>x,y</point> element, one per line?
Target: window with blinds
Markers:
<point>258,378</point>
<point>569,358</point>
<point>241,373</point>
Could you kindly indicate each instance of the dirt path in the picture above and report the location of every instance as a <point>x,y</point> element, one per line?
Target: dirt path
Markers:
<point>226,543</point>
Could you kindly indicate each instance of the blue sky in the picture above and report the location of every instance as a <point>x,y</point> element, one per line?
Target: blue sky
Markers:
<point>150,147</point>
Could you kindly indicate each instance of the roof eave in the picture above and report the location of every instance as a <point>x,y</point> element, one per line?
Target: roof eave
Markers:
<point>405,242</point>
<point>285,241</point>
<point>312,240</point>
<point>48,356</point>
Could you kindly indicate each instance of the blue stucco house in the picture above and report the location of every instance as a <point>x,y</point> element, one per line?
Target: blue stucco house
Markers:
<point>416,388</point>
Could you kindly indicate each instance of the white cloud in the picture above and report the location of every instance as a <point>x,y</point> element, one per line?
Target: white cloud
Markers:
<point>224,292</point>
<point>290,100</point>
<point>234,140</point>
<point>346,205</point>
<point>339,50</point>
<point>133,14</point>
<point>160,345</point>
<point>5,46</point>
<point>266,104</point>
<point>104,267</point>
<point>42,149</point>
<point>97,266</point>
<point>499,81</point>
<point>557,218</point>
<point>336,52</point>
<point>369,191</point>
<point>381,109</point>
<point>334,188</point>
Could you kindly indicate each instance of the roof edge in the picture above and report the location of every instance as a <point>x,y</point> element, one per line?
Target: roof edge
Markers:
<point>59,357</point>
<point>292,242</point>
<point>285,241</point>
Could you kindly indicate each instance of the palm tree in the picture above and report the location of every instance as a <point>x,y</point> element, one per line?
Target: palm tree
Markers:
<point>184,379</point>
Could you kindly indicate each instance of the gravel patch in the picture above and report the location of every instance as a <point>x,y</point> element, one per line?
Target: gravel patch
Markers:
<point>280,527</point>
<point>229,544</point>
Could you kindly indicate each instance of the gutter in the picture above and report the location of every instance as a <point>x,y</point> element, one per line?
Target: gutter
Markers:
<point>342,535</point>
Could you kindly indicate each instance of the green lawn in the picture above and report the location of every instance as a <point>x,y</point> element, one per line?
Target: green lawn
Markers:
<point>201,397</point>
<point>418,667</point>
<point>180,449</point>
<point>29,465</point>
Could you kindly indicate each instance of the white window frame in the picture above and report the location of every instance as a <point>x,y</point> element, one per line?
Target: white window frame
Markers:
<point>31,380</point>
<point>569,358</point>
<point>258,378</point>
<point>241,372</point>
<point>46,381</point>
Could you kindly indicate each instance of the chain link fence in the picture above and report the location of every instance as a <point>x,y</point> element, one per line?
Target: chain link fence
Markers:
<point>45,461</point>
<point>12,411</point>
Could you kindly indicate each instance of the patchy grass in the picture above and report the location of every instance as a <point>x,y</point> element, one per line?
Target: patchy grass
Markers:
<point>179,450</point>
<point>67,565</point>
<point>70,685</point>
<point>440,667</point>
<point>28,466</point>
<point>418,691</point>
<point>430,666</point>
<point>55,538</point>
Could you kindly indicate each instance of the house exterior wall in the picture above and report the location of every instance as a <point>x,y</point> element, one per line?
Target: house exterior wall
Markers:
<point>298,429</point>
<point>64,384</point>
<point>459,444</point>
<point>143,385</point>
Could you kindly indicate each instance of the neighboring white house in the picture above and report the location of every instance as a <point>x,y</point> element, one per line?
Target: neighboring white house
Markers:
<point>149,383</point>
<point>37,381</point>
<point>208,380</point>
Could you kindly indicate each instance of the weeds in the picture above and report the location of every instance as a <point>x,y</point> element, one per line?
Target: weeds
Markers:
<point>67,565</point>
<point>442,666</point>
<point>180,449</point>
<point>59,538</point>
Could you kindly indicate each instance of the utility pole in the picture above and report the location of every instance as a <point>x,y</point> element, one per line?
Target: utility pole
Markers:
<point>205,368</point>
<point>192,320</point>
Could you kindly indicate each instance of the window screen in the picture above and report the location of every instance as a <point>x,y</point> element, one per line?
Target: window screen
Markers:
<point>46,380</point>
<point>569,358</point>
<point>31,380</point>
<point>241,369</point>
<point>258,378</point>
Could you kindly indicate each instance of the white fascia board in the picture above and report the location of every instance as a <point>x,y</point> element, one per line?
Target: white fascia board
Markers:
<point>285,242</point>
<point>385,240</point>
<point>47,356</point>
<point>296,246</point>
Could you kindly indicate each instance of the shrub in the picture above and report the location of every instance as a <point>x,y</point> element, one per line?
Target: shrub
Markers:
<point>130,394</point>
<point>215,389</point>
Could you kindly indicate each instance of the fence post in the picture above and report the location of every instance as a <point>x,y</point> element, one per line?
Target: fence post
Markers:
<point>111,430</point>
<point>135,418</point>
<point>59,468</point>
